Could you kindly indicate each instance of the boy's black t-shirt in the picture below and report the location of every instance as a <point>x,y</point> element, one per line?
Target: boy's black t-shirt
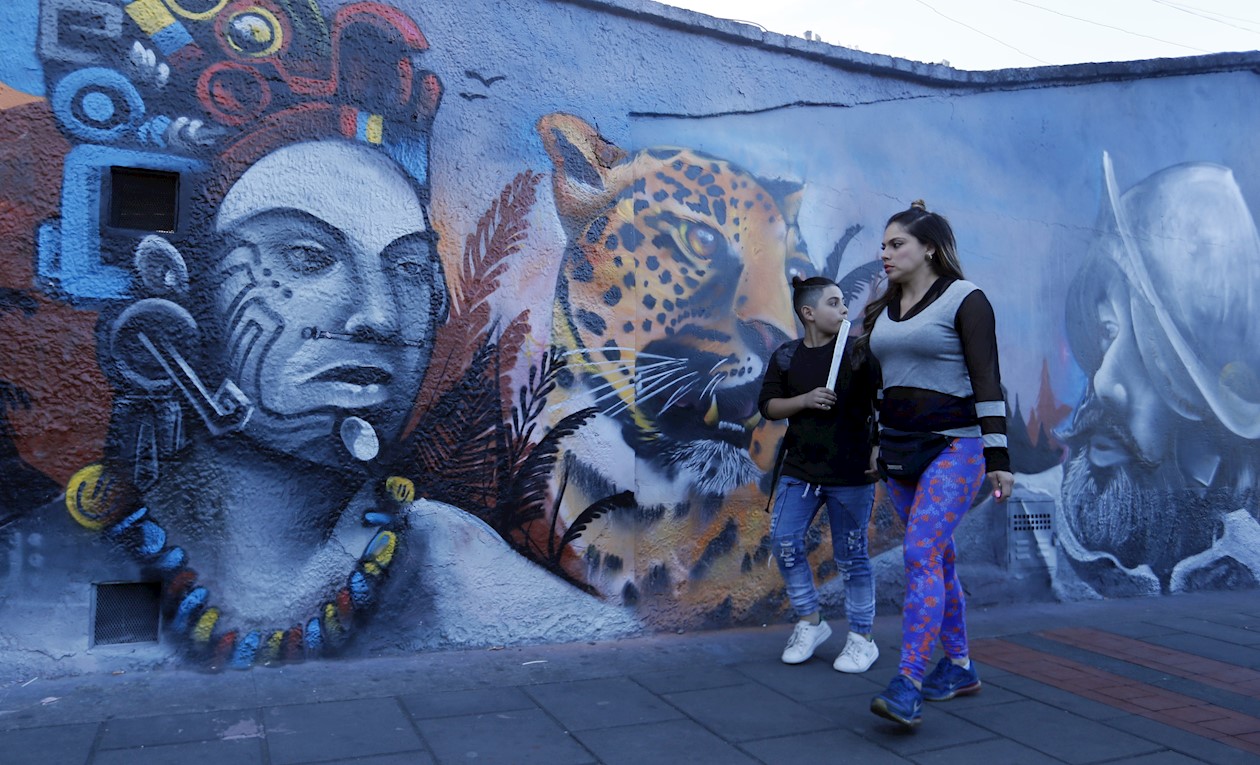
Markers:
<point>830,447</point>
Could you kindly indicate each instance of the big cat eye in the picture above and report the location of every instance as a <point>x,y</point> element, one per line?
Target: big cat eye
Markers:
<point>702,241</point>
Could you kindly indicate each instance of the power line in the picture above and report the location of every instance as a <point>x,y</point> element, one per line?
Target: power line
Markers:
<point>985,34</point>
<point>1108,26</point>
<point>1204,15</point>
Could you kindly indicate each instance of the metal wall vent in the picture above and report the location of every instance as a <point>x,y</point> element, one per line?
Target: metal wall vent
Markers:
<point>126,612</point>
<point>144,200</point>
<point>1030,536</point>
<point>1031,522</point>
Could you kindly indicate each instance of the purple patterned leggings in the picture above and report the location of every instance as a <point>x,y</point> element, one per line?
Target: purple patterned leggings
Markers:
<point>931,509</point>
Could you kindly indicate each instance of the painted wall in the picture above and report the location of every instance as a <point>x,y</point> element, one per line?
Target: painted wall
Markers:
<point>454,335</point>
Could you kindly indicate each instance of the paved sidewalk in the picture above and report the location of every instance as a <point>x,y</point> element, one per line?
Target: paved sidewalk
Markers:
<point>1164,681</point>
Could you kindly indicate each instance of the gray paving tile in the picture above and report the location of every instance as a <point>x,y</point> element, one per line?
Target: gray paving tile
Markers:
<point>337,729</point>
<point>998,751</point>
<point>1140,630</point>
<point>1060,734</point>
<point>236,751</point>
<point>68,744</point>
<point>400,758</point>
<point>461,703</point>
<point>823,747</point>
<point>990,693</point>
<point>97,698</point>
<point>670,741</point>
<point>815,680</point>
<point>1239,634</point>
<point>1230,653</point>
<point>1160,758</point>
<point>689,679</point>
<point>587,704</point>
<point>939,730</point>
<point>527,737</point>
<point>181,728</point>
<point>1184,742</point>
<point>747,712</point>
<point>1056,697</point>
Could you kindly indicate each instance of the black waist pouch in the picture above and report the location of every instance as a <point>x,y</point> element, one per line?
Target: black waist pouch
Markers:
<point>905,455</point>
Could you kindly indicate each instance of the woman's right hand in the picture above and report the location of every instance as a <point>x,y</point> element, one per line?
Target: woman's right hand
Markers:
<point>818,398</point>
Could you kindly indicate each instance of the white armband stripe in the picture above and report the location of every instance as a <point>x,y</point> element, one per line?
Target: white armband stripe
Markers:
<point>991,409</point>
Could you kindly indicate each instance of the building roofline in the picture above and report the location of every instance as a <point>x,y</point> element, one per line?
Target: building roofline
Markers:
<point>939,75</point>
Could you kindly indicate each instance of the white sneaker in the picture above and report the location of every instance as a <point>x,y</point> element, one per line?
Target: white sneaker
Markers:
<point>805,638</point>
<point>858,655</point>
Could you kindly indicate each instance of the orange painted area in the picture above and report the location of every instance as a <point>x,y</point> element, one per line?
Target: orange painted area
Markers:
<point>49,347</point>
<point>11,97</point>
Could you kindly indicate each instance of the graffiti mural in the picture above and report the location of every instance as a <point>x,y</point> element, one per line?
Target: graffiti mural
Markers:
<point>245,208</point>
<point>327,360</point>
<point>1159,489</point>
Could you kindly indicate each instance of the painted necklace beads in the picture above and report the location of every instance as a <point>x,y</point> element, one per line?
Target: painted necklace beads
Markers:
<point>99,501</point>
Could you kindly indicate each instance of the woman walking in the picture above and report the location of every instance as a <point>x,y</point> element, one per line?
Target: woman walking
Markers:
<point>942,434</point>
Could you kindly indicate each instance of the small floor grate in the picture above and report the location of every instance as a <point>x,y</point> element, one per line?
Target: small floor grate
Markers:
<point>126,612</point>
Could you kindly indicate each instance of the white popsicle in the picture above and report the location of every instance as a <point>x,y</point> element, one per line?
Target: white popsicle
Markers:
<point>843,336</point>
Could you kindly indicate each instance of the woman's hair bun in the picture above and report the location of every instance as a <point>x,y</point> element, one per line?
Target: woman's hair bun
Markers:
<point>918,204</point>
<point>797,281</point>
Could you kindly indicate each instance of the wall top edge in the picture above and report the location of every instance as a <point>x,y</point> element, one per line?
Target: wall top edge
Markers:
<point>838,56</point>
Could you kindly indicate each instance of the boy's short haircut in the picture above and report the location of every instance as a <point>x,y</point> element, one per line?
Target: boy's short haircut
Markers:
<point>805,292</point>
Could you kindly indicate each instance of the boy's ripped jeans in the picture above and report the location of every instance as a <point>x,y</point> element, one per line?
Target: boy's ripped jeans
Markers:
<point>848,514</point>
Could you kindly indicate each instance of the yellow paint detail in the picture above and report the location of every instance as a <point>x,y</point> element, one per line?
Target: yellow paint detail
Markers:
<point>87,498</point>
<point>274,643</point>
<point>375,128</point>
<point>330,619</point>
<point>150,15</point>
<point>401,489</point>
<point>205,625</point>
<point>371,569</point>
<point>272,34</point>
<point>385,553</point>
<point>197,15</point>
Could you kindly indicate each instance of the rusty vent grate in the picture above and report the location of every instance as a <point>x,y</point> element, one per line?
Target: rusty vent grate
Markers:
<point>144,200</point>
<point>126,613</point>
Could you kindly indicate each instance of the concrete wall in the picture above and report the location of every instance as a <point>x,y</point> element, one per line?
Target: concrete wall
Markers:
<point>452,333</point>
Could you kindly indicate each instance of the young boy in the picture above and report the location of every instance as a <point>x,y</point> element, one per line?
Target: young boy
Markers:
<point>827,461</point>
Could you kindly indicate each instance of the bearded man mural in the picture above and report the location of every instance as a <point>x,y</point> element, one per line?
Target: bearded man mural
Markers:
<point>1160,487</point>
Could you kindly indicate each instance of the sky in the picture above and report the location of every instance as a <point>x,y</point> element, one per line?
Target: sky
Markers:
<point>999,34</point>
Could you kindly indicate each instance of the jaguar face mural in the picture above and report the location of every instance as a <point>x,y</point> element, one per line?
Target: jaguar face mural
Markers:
<point>672,294</point>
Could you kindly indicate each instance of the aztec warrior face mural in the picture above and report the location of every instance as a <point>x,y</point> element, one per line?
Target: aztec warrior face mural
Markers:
<point>268,393</point>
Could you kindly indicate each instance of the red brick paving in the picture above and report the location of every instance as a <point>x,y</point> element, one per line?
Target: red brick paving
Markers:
<point>1218,674</point>
<point>1163,706</point>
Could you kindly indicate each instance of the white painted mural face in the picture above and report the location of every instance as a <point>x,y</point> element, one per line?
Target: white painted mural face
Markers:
<point>331,294</point>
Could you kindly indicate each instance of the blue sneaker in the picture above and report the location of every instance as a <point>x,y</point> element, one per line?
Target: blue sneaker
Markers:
<point>900,702</point>
<point>949,680</point>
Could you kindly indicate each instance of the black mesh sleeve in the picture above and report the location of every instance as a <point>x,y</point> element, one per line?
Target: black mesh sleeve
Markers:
<point>978,330</point>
